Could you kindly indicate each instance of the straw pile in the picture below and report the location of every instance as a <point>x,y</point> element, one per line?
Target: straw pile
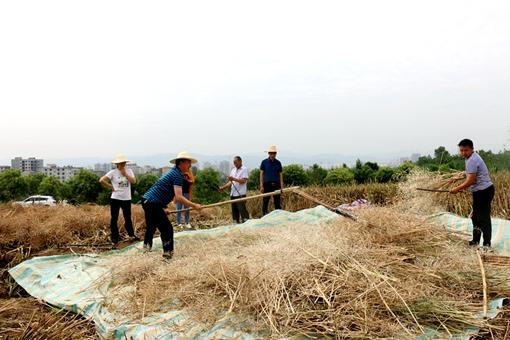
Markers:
<point>27,318</point>
<point>340,279</point>
<point>429,202</point>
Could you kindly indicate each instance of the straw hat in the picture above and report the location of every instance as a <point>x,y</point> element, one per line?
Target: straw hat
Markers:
<point>121,158</point>
<point>272,148</point>
<point>184,155</point>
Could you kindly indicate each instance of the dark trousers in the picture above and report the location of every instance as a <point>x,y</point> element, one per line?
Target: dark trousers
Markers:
<point>115,206</point>
<point>155,217</point>
<point>271,187</point>
<point>482,215</point>
<point>239,211</point>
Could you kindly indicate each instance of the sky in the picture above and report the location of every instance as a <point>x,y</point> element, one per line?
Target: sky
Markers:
<point>95,78</point>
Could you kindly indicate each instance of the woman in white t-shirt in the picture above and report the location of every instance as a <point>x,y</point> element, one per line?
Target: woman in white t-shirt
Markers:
<point>119,180</point>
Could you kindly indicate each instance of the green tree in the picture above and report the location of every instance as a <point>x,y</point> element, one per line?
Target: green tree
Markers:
<point>143,184</point>
<point>33,182</point>
<point>339,176</point>
<point>254,179</point>
<point>294,174</point>
<point>385,174</point>
<point>404,170</point>
<point>441,155</point>
<point>366,173</point>
<point>12,185</point>
<point>51,186</point>
<point>316,174</point>
<point>207,183</point>
<point>84,187</point>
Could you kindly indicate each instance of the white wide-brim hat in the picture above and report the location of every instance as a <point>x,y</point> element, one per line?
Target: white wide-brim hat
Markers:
<point>184,155</point>
<point>121,158</point>
<point>272,148</point>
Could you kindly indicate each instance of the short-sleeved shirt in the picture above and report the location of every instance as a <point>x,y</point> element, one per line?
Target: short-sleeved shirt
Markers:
<point>272,170</point>
<point>121,185</point>
<point>163,190</point>
<point>476,165</point>
<point>237,188</point>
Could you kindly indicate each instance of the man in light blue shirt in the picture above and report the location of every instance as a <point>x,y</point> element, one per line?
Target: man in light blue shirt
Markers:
<point>479,183</point>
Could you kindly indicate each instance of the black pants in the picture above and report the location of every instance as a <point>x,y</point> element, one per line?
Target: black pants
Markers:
<point>482,215</point>
<point>155,217</point>
<point>270,187</point>
<point>239,211</point>
<point>115,206</point>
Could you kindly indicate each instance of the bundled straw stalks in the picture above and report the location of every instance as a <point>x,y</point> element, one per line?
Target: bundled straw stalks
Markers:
<point>460,204</point>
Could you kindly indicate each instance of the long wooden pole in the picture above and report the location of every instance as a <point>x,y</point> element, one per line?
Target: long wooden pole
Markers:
<point>327,206</point>
<point>244,199</point>
<point>432,190</point>
<point>484,283</point>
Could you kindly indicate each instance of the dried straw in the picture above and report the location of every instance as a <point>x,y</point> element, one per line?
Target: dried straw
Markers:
<point>342,279</point>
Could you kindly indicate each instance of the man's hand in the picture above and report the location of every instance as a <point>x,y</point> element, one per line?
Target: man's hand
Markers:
<point>231,179</point>
<point>221,189</point>
<point>454,190</point>
<point>261,189</point>
<point>167,211</point>
<point>197,206</point>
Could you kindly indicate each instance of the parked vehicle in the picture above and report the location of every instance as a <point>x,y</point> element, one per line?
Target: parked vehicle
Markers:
<point>37,200</point>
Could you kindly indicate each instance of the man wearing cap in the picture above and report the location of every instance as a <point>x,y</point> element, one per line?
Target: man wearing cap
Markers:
<point>119,181</point>
<point>271,179</point>
<point>237,181</point>
<point>157,198</point>
<point>478,181</point>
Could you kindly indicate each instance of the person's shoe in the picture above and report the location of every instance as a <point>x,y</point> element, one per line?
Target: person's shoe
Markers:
<point>180,225</point>
<point>188,226</point>
<point>133,238</point>
<point>486,249</point>
<point>167,255</point>
<point>147,247</point>
<point>474,243</point>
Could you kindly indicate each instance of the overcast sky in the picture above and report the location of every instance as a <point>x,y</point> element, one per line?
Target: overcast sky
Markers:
<point>94,78</point>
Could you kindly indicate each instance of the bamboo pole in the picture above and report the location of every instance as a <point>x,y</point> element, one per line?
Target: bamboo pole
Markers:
<point>484,283</point>
<point>237,200</point>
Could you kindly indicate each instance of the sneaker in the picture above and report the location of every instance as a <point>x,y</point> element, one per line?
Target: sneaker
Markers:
<point>180,225</point>
<point>147,247</point>
<point>474,243</point>
<point>188,226</point>
<point>167,255</point>
<point>133,238</point>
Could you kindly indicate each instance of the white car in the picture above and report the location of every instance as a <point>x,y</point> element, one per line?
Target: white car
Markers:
<point>37,200</point>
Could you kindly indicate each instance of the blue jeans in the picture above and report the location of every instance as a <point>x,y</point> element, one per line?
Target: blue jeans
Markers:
<point>181,206</point>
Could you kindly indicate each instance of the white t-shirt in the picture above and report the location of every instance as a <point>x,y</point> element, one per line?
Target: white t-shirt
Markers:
<point>238,189</point>
<point>120,183</point>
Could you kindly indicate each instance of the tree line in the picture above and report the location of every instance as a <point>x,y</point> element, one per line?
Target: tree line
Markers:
<point>85,187</point>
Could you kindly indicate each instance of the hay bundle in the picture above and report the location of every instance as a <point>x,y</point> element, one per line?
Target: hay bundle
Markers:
<point>341,279</point>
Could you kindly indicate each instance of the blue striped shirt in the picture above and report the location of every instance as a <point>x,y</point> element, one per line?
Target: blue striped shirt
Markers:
<point>163,190</point>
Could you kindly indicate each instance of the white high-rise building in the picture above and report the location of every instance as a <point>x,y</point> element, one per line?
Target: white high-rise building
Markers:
<point>28,165</point>
<point>63,173</point>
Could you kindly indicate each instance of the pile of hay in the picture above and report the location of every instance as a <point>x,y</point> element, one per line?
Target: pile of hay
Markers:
<point>341,279</point>
<point>423,202</point>
<point>27,318</point>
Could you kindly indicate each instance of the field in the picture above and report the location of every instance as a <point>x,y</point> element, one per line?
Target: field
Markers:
<point>39,231</point>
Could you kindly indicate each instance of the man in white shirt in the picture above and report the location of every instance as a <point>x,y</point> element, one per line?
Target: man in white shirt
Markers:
<point>119,181</point>
<point>238,184</point>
